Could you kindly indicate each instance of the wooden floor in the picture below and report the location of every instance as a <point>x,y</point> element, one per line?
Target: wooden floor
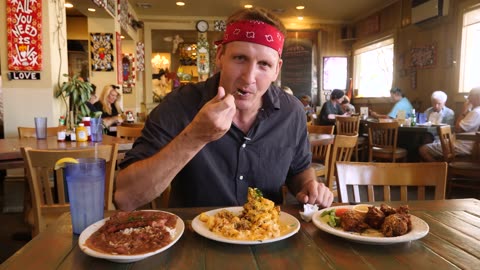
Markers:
<point>14,232</point>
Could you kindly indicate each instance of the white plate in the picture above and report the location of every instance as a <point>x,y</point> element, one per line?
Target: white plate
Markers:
<point>419,229</point>
<point>180,227</point>
<point>292,224</point>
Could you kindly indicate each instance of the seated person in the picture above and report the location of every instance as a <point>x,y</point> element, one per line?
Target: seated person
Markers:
<point>347,107</point>
<point>109,104</point>
<point>211,141</point>
<point>309,111</point>
<point>93,99</point>
<point>287,90</point>
<point>331,108</point>
<point>439,113</point>
<point>468,121</point>
<point>401,103</point>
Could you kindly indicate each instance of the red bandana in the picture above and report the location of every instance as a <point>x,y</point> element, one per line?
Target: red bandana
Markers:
<point>255,32</point>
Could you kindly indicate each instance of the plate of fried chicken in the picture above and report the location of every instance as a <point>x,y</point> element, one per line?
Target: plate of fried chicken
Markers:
<point>382,225</point>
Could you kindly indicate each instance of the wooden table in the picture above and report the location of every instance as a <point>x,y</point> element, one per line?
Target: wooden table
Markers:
<point>452,243</point>
<point>11,157</point>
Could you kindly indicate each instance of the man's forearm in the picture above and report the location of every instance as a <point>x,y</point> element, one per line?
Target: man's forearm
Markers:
<point>297,181</point>
<point>146,179</point>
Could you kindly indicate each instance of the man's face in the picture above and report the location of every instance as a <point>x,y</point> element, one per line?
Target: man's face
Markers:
<point>395,97</point>
<point>247,70</point>
<point>437,105</point>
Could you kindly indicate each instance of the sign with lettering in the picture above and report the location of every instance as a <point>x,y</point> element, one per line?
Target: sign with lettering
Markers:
<point>297,66</point>
<point>24,34</point>
<point>24,75</point>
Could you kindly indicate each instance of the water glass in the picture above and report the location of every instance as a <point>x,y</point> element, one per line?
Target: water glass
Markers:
<point>86,189</point>
<point>421,118</point>
<point>41,127</point>
<point>96,129</point>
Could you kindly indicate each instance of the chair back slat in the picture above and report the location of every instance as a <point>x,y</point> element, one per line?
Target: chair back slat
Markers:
<point>29,132</point>
<point>342,150</point>
<point>347,125</point>
<point>406,176</point>
<point>130,133</point>
<point>447,141</point>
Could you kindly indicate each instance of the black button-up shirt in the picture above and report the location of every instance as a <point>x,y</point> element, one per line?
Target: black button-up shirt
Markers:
<point>275,148</point>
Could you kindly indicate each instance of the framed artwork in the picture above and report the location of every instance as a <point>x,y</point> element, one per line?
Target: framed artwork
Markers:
<point>118,39</point>
<point>335,72</point>
<point>140,50</point>
<point>424,57</point>
<point>24,35</point>
<point>110,7</point>
<point>128,71</point>
<point>101,48</point>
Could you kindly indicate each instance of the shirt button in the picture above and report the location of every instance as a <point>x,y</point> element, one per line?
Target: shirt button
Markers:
<point>240,177</point>
<point>244,145</point>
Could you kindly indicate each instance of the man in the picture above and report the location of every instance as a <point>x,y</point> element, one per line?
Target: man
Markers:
<point>309,111</point>
<point>468,121</point>
<point>212,140</point>
<point>401,103</point>
<point>332,108</point>
<point>439,113</point>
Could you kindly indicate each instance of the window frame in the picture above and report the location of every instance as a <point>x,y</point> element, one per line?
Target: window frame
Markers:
<point>462,89</point>
<point>384,40</point>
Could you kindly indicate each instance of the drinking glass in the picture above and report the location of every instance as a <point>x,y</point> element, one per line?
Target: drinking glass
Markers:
<point>41,127</point>
<point>96,129</point>
<point>86,189</point>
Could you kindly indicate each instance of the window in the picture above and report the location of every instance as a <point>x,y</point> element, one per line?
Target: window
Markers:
<point>373,69</point>
<point>335,73</point>
<point>470,56</point>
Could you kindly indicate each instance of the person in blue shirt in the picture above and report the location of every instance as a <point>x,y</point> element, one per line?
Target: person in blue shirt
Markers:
<point>401,103</point>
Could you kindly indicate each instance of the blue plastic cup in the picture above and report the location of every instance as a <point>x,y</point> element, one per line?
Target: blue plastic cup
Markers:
<point>421,118</point>
<point>86,189</point>
<point>96,129</point>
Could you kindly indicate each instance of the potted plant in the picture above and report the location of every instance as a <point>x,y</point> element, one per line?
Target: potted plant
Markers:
<point>75,93</point>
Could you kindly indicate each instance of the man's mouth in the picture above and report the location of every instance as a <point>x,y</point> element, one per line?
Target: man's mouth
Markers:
<point>240,92</point>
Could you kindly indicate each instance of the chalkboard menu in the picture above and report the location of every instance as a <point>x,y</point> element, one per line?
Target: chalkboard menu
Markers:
<point>297,66</point>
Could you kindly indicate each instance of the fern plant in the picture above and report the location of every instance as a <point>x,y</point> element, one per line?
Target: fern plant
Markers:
<point>75,93</point>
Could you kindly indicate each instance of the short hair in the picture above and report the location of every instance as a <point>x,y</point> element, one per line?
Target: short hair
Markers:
<point>397,91</point>
<point>439,95</point>
<point>287,90</point>
<point>306,98</point>
<point>336,94</point>
<point>258,14</point>
<point>474,95</point>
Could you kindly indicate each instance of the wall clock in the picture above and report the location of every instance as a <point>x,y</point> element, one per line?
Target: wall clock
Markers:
<point>202,26</point>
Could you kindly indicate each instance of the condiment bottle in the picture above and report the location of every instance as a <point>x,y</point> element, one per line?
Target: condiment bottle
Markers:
<point>86,123</point>
<point>62,130</point>
<point>81,133</point>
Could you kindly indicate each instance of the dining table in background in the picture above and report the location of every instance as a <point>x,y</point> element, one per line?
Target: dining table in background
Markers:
<point>11,157</point>
<point>452,243</point>
<point>409,137</point>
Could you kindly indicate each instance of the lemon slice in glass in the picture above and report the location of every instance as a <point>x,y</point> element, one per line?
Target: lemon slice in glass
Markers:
<point>61,162</point>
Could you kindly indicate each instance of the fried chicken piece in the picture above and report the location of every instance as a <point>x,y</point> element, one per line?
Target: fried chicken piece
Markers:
<point>403,209</point>
<point>353,221</point>
<point>374,217</point>
<point>387,209</point>
<point>396,225</point>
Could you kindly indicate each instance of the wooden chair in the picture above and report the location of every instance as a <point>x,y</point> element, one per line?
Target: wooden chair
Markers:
<point>342,150</point>
<point>29,132</point>
<point>353,175</point>
<point>382,138</point>
<point>320,151</point>
<point>461,174</point>
<point>320,129</point>
<point>48,199</point>
<point>129,132</point>
<point>350,125</point>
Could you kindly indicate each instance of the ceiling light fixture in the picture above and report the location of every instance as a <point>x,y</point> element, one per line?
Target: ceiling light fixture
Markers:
<point>300,18</point>
<point>248,6</point>
<point>68,5</point>
<point>300,7</point>
<point>91,9</point>
<point>122,37</point>
<point>181,4</point>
